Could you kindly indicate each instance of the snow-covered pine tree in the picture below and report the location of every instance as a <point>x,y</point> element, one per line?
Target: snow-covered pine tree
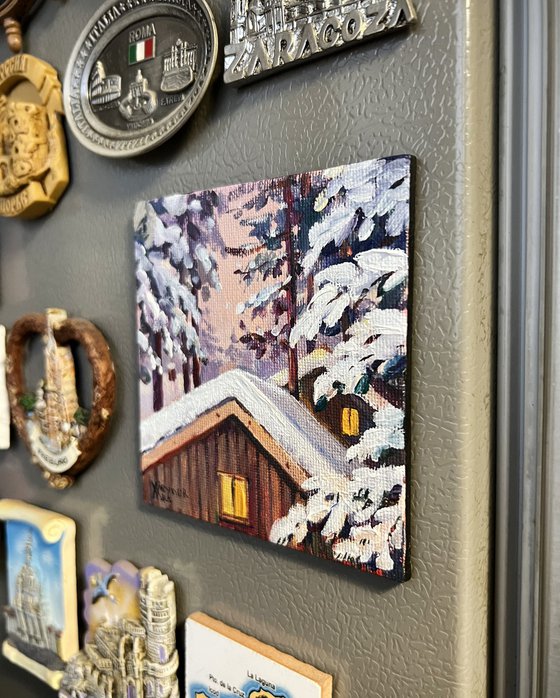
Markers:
<point>282,216</point>
<point>360,301</point>
<point>175,268</point>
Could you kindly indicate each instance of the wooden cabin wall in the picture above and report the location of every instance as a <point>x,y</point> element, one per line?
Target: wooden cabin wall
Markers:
<point>187,481</point>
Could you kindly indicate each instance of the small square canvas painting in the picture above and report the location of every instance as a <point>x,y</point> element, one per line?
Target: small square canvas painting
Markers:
<point>273,325</point>
<point>222,662</point>
<point>40,614</point>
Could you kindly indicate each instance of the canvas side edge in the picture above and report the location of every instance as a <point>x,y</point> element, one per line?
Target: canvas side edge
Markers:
<point>408,568</point>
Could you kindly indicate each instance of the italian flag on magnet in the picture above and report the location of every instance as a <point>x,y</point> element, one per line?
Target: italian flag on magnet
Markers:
<point>141,51</point>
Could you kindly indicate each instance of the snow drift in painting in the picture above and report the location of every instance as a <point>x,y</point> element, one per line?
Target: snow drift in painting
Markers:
<point>272,339</point>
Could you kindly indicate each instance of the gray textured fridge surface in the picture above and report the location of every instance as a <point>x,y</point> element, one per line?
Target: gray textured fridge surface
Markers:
<point>428,93</point>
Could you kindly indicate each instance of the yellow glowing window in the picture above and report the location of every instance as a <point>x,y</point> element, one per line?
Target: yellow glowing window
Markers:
<point>350,421</point>
<point>234,497</point>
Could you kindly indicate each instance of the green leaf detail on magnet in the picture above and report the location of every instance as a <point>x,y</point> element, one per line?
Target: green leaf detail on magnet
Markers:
<point>321,403</point>
<point>28,401</point>
<point>81,416</point>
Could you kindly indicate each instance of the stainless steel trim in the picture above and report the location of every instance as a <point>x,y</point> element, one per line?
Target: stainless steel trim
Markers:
<point>521,344</point>
<point>549,659</point>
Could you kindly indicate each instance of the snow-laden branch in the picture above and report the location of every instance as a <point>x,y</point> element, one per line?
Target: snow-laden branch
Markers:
<point>172,266</point>
<point>340,286</point>
<point>387,433</point>
<point>292,528</point>
<point>265,263</point>
<point>355,202</point>
<point>262,298</point>
<point>379,338</point>
<point>373,543</point>
<point>348,512</point>
<point>335,227</point>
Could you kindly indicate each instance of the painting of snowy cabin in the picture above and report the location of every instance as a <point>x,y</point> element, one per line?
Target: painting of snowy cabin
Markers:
<point>272,342</point>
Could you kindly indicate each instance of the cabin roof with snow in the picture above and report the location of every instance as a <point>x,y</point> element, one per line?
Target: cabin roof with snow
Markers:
<point>270,408</point>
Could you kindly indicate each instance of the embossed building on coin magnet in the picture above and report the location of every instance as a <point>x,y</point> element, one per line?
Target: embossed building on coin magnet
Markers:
<point>137,73</point>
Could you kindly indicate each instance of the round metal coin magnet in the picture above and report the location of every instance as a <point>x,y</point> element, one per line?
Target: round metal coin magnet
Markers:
<point>138,72</point>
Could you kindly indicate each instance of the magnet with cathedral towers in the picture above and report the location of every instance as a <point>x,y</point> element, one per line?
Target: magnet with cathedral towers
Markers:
<point>41,617</point>
<point>129,647</point>
<point>63,437</point>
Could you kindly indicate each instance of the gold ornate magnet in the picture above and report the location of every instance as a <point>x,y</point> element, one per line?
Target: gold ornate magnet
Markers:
<point>33,161</point>
<point>62,436</point>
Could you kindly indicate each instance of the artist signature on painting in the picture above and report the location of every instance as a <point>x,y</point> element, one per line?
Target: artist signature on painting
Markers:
<point>165,493</point>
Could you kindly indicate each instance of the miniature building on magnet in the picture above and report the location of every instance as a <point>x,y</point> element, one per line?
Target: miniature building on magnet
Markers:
<point>132,658</point>
<point>26,619</point>
<point>104,88</point>
<point>57,397</point>
<point>252,17</point>
<point>179,67</point>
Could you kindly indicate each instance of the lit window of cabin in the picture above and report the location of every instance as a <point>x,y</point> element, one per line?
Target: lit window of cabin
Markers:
<point>350,421</point>
<point>234,497</point>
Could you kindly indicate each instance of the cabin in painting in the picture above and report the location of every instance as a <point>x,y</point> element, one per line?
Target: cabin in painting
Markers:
<point>345,416</point>
<point>236,452</point>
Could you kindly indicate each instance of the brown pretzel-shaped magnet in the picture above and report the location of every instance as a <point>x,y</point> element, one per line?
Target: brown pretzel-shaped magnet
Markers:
<point>62,436</point>
<point>12,14</point>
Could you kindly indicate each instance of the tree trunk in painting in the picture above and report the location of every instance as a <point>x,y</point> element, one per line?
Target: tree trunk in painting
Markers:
<point>186,369</point>
<point>345,325</point>
<point>195,360</point>
<point>291,289</point>
<point>195,367</point>
<point>306,202</point>
<point>157,377</point>
<point>345,252</point>
<point>310,289</point>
